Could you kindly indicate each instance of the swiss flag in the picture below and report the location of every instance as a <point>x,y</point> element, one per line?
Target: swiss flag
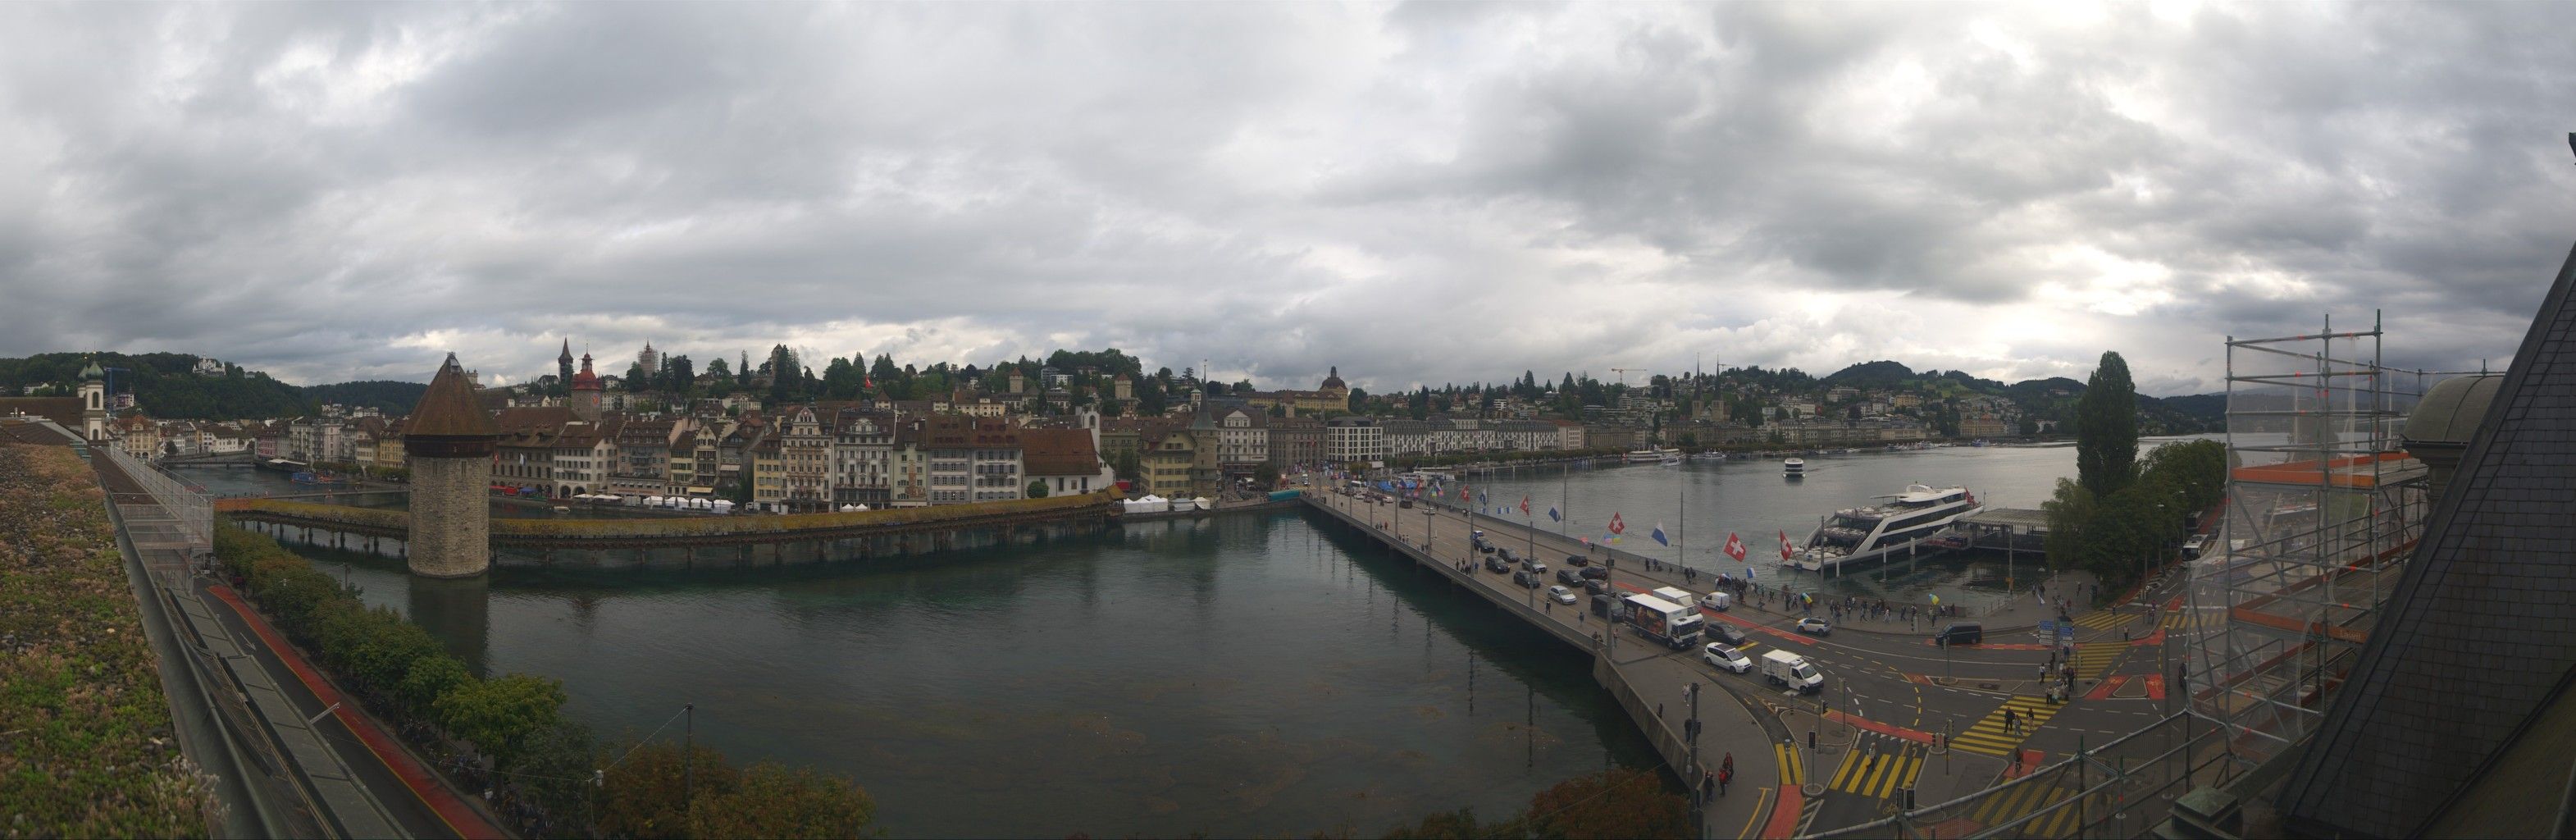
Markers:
<point>1524,505</point>
<point>1616,526</point>
<point>1734,546</point>
<point>1785,548</point>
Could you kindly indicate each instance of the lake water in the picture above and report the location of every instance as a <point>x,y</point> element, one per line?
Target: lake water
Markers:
<point>1241,675</point>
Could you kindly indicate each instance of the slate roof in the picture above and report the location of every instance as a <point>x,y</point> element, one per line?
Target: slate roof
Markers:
<point>448,408</point>
<point>2481,634</point>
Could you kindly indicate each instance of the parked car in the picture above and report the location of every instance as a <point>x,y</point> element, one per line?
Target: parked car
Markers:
<point>1595,573</point>
<point>1815,626</point>
<point>1568,577</point>
<point>1526,579</point>
<point>1728,634</point>
<point>1727,658</point>
<point>1496,566</point>
<point>1577,560</point>
<point>1561,595</point>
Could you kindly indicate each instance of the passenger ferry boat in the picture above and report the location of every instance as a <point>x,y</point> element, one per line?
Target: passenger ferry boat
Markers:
<point>1867,533</point>
<point>1652,455</point>
<point>1794,468</point>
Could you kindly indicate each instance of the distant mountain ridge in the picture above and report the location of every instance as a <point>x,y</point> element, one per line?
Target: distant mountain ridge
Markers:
<point>168,386</point>
<point>2051,398</point>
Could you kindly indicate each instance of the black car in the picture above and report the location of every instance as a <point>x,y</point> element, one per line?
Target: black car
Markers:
<point>1568,577</point>
<point>1595,586</point>
<point>1577,560</point>
<point>1731,635</point>
<point>1496,566</point>
<point>1526,580</point>
<point>1595,573</point>
<point>1485,548</point>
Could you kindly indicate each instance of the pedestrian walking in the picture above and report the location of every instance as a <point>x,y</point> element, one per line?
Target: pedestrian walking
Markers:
<point>1725,773</point>
<point>2009,726</point>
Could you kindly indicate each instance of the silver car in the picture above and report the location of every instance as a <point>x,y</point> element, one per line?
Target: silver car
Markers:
<point>1560,595</point>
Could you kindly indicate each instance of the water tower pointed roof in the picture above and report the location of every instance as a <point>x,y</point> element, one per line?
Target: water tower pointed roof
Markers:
<point>448,408</point>
<point>566,358</point>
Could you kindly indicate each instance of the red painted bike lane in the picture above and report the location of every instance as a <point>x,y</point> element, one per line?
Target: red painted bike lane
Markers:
<point>449,807</point>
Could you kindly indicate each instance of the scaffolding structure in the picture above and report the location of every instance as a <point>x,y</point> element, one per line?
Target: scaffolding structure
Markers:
<point>2323,508</point>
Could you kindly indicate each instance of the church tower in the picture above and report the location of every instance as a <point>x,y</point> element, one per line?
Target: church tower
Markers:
<point>563,366</point>
<point>585,392</point>
<point>93,397</point>
<point>448,443</point>
<point>650,360</point>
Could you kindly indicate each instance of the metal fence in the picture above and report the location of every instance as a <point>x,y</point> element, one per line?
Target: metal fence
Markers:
<point>2119,789</point>
<point>161,511</point>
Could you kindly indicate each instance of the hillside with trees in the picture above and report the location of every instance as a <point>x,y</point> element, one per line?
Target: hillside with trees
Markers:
<point>164,384</point>
<point>389,396</point>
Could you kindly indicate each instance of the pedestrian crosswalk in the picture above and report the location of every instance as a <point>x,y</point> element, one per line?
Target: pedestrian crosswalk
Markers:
<point>2006,804</point>
<point>2194,619</point>
<point>1991,737</point>
<point>2103,620</point>
<point>1880,770</point>
<point>2093,659</point>
<point>1792,772</point>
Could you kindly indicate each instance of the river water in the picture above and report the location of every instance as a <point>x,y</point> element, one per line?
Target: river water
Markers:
<point>1240,675</point>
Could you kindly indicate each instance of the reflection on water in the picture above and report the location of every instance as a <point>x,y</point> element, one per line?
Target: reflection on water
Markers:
<point>1242,675</point>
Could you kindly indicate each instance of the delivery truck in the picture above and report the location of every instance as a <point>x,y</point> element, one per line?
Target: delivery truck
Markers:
<point>1674,625</point>
<point>1783,668</point>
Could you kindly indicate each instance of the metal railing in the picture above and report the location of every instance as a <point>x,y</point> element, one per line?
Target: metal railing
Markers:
<point>169,512</point>
<point>2119,789</point>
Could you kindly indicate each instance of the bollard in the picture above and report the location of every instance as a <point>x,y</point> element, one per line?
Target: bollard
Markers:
<point>1811,740</point>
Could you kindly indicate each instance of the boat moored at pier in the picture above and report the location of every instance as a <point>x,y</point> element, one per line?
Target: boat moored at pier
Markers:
<point>1876,531</point>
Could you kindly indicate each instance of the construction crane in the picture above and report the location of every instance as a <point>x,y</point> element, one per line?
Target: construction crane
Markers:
<point>1623,374</point>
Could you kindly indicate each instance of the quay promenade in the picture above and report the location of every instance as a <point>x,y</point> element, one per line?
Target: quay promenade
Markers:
<point>1651,682</point>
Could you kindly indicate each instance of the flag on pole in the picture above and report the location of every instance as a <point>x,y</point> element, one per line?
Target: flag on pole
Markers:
<point>1618,527</point>
<point>1659,535</point>
<point>1463,492</point>
<point>1734,546</point>
<point>1785,548</point>
<point>1553,516</point>
<point>1936,599</point>
<point>1748,574</point>
<point>1524,505</point>
<point>1484,498</point>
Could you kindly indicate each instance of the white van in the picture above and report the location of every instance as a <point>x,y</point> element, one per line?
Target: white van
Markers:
<point>1676,595</point>
<point>1783,668</point>
<point>1718,601</point>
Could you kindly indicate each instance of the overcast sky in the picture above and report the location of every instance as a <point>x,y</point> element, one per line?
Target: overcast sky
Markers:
<point>1416,193</point>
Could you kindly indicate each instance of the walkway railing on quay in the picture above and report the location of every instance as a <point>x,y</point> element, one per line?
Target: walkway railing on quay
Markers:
<point>2120,789</point>
<point>161,510</point>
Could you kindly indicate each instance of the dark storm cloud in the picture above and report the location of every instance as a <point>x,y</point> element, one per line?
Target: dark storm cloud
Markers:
<point>1424,192</point>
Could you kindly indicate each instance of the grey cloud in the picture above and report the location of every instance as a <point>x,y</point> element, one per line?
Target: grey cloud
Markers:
<point>1423,192</point>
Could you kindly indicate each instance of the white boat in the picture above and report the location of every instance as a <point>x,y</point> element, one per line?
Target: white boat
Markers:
<point>1876,531</point>
<point>1652,455</point>
<point>1794,468</point>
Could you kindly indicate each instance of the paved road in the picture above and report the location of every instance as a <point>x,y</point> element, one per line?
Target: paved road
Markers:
<point>1888,693</point>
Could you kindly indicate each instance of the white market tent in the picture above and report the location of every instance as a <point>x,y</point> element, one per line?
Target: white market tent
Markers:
<point>1149,503</point>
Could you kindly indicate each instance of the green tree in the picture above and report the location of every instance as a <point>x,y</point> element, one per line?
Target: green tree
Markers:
<point>769,800</point>
<point>1460,824</point>
<point>1620,803</point>
<point>718,367</point>
<point>1266,475</point>
<point>2106,432</point>
<point>641,794</point>
<point>1038,489</point>
<point>498,715</point>
<point>428,678</point>
<point>2070,513</point>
